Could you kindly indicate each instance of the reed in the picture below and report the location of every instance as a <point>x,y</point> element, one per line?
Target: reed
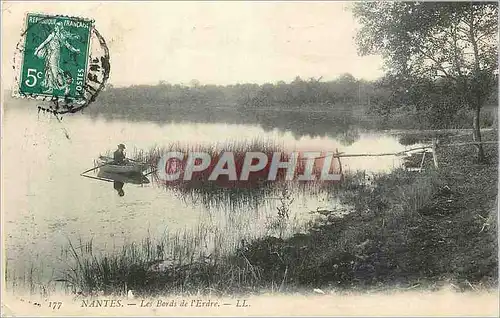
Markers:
<point>223,193</point>
<point>205,259</point>
<point>170,266</point>
<point>402,229</point>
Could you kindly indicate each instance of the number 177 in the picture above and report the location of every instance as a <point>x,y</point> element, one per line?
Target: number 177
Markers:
<point>55,304</point>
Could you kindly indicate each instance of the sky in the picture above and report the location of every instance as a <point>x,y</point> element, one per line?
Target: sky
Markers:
<point>214,42</point>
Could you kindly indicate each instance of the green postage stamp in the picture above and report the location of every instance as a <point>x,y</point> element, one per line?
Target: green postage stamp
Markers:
<point>62,60</point>
<point>55,59</point>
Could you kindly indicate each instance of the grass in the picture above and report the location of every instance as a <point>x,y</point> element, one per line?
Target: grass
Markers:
<point>206,260</point>
<point>223,192</point>
<point>174,265</point>
<point>410,119</point>
<point>409,139</point>
<point>406,229</point>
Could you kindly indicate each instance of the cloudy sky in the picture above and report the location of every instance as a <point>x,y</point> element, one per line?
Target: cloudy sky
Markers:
<point>213,42</point>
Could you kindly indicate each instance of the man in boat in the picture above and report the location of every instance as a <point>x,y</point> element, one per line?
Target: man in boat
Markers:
<point>119,155</point>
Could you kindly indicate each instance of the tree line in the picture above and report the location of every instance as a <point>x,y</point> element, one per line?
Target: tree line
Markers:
<point>420,101</point>
<point>441,72</point>
<point>345,90</point>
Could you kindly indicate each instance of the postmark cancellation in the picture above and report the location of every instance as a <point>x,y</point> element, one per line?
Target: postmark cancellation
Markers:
<point>61,60</point>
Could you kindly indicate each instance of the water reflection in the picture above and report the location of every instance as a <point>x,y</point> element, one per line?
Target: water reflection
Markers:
<point>341,124</point>
<point>132,177</point>
<point>298,123</point>
<point>118,185</point>
<point>39,163</point>
<point>119,179</point>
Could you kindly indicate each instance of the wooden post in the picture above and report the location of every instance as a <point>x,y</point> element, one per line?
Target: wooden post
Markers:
<point>434,152</point>
<point>338,158</point>
<point>422,162</point>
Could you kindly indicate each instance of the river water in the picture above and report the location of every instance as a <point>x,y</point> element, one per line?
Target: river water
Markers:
<point>46,203</point>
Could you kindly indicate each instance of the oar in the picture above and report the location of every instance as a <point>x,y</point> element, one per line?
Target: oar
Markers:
<point>94,168</point>
<point>140,162</point>
<point>102,179</point>
<point>147,174</point>
<point>134,160</point>
<point>125,158</point>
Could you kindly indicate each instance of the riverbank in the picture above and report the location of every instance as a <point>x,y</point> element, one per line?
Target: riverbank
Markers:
<point>406,230</point>
<point>412,230</point>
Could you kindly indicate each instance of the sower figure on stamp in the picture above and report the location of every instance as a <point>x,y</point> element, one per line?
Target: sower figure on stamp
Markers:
<point>119,155</point>
<point>50,50</point>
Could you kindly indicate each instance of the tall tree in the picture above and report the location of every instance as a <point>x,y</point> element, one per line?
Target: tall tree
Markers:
<point>432,40</point>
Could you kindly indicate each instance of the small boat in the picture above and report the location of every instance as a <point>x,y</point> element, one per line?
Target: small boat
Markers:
<point>132,177</point>
<point>107,165</point>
